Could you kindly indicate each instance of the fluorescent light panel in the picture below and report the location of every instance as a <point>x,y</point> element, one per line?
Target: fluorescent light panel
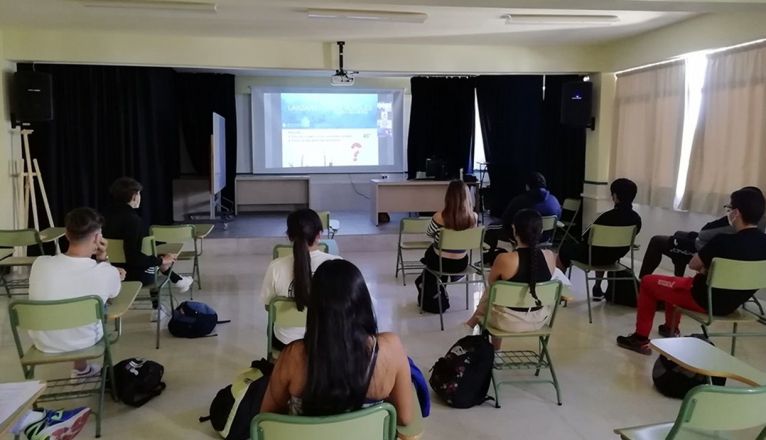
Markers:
<point>168,5</point>
<point>559,19</point>
<point>353,14</point>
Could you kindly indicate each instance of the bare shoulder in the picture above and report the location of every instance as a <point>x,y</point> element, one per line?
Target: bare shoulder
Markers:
<point>506,258</point>
<point>390,341</point>
<point>438,218</point>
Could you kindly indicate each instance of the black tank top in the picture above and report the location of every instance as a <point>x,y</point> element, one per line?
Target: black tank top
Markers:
<point>542,272</point>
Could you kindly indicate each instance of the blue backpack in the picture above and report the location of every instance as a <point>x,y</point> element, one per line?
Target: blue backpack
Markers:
<point>421,388</point>
<point>193,319</point>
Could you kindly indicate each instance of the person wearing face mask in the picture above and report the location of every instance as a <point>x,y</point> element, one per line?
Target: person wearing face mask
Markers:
<point>123,223</point>
<point>743,212</point>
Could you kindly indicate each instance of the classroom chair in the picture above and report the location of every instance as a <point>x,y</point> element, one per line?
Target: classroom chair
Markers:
<point>549,225</point>
<point>570,207</point>
<point>59,315</point>
<point>409,230</point>
<point>709,412</point>
<point>735,275</point>
<point>15,238</point>
<point>282,312</point>
<point>375,422</point>
<point>181,234</point>
<point>283,250</point>
<point>511,294</point>
<point>330,225</point>
<point>607,236</point>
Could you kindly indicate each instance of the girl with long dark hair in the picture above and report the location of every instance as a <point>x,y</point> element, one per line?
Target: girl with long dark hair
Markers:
<point>457,215</point>
<point>526,264</point>
<point>290,276</point>
<point>343,363</point>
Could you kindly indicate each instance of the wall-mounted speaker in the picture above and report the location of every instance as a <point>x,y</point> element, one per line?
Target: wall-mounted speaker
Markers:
<point>33,97</point>
<point>576,103</point>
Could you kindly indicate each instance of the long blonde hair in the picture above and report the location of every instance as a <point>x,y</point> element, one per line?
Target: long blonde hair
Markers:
<point>458,209</point>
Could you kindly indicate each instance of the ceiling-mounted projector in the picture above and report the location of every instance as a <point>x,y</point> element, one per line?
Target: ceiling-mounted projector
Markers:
<point>342,77</point>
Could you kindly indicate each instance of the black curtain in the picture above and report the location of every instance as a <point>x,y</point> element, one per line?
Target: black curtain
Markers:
<point>562,154</point>
<point>441,124</point>
<point>510,112</point>
<point>109,122</point>
<point>199,95</point>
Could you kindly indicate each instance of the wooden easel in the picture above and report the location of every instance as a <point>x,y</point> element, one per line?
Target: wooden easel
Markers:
<point>30,174</point>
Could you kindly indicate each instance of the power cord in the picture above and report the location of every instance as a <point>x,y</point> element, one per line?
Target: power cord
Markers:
<point>353,185</point>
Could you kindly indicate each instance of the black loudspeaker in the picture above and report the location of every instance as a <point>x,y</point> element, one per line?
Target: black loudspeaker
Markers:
<point>576,99</point>
<point>33,98</point>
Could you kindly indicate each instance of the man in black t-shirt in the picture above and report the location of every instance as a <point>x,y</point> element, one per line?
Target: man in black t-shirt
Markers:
<point>748,244</point>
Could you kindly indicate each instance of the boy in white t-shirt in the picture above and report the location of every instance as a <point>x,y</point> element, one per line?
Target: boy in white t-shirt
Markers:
<point>290,276</point>
<point>71,275</point>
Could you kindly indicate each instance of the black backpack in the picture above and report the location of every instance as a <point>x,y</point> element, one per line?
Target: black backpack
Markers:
<point>193,319</point>
<point>234,406</point>
<point>138,380</point>
<point>461,378</point>
<point>672,380</point>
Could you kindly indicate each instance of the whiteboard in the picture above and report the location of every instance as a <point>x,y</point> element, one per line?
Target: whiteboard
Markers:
<point>218,155</point>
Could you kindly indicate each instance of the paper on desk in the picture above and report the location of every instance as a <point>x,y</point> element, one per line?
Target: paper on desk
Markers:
<point>15,395</point>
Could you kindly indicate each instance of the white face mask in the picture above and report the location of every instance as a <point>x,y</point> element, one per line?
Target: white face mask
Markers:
<point>729,218</point>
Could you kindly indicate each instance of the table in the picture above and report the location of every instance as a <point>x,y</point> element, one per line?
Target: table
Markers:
<point>7,424</point>
<point>700,357</point>
<point>169,248</point>
<point>51,234</point>
<point>124,299</point>
<point>265,191</point>
<point>397,195</point>
<point>202,230</point>
<point>5,252</point>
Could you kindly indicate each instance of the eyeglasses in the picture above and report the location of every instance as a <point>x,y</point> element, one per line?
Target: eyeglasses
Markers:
<point>728,208</point>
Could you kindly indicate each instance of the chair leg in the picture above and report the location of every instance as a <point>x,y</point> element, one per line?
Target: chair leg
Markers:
<point>587,294</point>
<point>496,388</point>
<point>466,293</point>
<point>553,372</point>
<point>398,258</point>
<point>734,339</point>
<point>5,285</point>
<point>439,299</point>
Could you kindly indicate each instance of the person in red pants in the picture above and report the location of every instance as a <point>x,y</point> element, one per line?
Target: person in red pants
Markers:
<point>744,211</point>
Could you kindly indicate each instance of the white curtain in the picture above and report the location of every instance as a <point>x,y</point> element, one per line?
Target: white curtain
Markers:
<point>729,149</point>
<point>648,129</point>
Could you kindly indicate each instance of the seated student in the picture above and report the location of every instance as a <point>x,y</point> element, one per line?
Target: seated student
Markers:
<point>71,275</point>
<point>681,246</point>
<point>290,276</point>
<point>538,198</point>
<point>748,244</point>
<point>343,363</point>
<point>623,192</point>
<point>457,215</point>
<point>526,264</point>
<point>45,424</point>
<point>123,223</point>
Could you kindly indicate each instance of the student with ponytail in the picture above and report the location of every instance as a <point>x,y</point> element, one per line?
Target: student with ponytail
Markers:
<point>526,264</point>
<point>290,276</point>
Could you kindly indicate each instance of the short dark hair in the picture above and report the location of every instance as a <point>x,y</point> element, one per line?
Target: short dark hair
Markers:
<point>536,180</point>
<point>624,189</point>
<point>81,222</point>
<point>124,188</point>
<point>750,204</point>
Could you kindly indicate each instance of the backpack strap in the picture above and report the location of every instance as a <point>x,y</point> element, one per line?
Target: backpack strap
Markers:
<point>225,321</point>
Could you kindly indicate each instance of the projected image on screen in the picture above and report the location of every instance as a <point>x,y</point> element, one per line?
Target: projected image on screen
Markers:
<point>298,131</point>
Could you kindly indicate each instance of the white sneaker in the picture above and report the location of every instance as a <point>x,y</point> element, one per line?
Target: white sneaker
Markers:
<point>184,284</point>
<point>92,370</point>
<point>160,313</point>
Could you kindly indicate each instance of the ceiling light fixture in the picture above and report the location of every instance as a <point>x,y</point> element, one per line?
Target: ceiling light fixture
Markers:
<point>353,14</point>
<point>559,19</point>
<point>166,5</point>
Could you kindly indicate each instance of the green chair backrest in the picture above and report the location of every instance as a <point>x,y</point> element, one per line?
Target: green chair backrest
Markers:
<point>512,294</point>
<point>417,225</point>
<point>324,216</point>
<point>181,234</point>
<point>377,422</point>
<point>571,205</point>
<point>284,313</point>
<point>19,237</point>
<point>115,249</point>
<point>611,236</point>
<point>149,245</point>
<point>736,275</point>
<point>56,315</point>
<point>549,223</point>
<point>466,239</point>
<point>283,250</point>
<point>716,408</point>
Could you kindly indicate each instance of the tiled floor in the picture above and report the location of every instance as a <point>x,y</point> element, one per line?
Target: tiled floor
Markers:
<point>603,386</point>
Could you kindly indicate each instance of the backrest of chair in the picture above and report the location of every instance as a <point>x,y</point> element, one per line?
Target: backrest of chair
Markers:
<point>284,313</point>
<point>611,236</point>
<point>180,234</point>
<point>466,239</point>
<point>283,250</point>
<point>324,216</point>
<point>716,408</point>
<point>115,250</point>
<point>19,237</point>
<point>549,223</point>
<point>377,422</point>
<point>737,275</point>
<point>571,205</point>
<point>56,315</point>
<point>513,294</point>
<point>414,225</point>
<point>149,245</point>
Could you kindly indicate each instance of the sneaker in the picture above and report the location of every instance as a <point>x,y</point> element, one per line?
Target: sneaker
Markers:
<point>58,425</point>
<point>91,370</point>
<point>160,313</point>
<point>635,343</point>
<point>665,332</point>
<point>184,284</point>
<point>597,294</point>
